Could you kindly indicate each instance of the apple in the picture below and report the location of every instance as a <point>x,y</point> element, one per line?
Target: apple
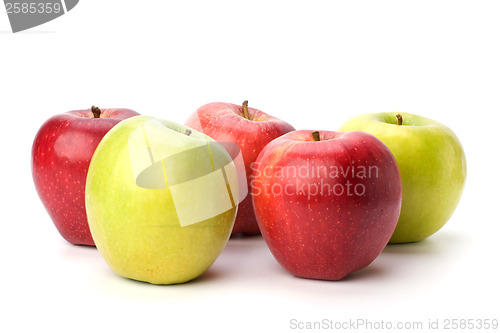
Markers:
<point>61,154</point>
<point>251,130</point>
<point>326,202</point>
<point>161,200</point>
<point>432,165</point>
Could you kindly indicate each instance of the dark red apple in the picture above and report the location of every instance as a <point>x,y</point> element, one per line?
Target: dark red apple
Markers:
<point>61,154</point>
<point>251,130</point>
<point>326,202</point>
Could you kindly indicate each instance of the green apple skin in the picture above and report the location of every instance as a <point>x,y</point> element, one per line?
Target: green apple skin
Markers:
<point>432,164</point>
<point>137,230</point>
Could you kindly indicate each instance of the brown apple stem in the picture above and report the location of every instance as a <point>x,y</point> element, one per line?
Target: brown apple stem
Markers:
<point>96,111</point>
<point>245,110</point>
<point>188,132</point>
<point>400,119</point>
<point>315,135</point>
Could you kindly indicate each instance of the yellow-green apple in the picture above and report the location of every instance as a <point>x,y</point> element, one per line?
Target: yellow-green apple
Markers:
<point>61,154</point>
<point>326,202</point>
<point>251,130</point>
<point>161,200</point>
<point>432,165</point>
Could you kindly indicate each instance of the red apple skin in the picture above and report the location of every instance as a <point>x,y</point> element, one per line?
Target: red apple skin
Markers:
<point>61,154</point>
<point>322,233</point>
<point>225,122</point>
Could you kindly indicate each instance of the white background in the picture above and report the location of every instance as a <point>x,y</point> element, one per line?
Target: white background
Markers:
<point>312,63</point>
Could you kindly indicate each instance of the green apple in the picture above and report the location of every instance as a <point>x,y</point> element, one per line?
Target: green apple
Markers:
<point>160,199</point>
<point>432,164</point>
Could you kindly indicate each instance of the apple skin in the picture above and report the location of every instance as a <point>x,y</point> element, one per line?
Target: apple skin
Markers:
<point>61,154</point>
<point>225,122</point>
<point>136,229</point>
<point>432,165</point>
<point>312,228</point>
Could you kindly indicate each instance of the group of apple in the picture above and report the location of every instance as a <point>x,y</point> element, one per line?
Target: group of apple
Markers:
<point>160,200</point>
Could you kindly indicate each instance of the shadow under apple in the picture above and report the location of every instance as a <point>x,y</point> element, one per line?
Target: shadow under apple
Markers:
<point>429,260</point>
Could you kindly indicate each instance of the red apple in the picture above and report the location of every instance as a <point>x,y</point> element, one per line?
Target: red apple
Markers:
<point>251,130</point>
<point>326,202</point>
<point>61,154</point>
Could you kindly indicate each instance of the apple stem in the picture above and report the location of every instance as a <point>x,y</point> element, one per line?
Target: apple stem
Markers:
<point>245,110</point>
<point>315,135</point>
<point>188,132</point>
<point>400,119</point>
<point>96,111</point>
